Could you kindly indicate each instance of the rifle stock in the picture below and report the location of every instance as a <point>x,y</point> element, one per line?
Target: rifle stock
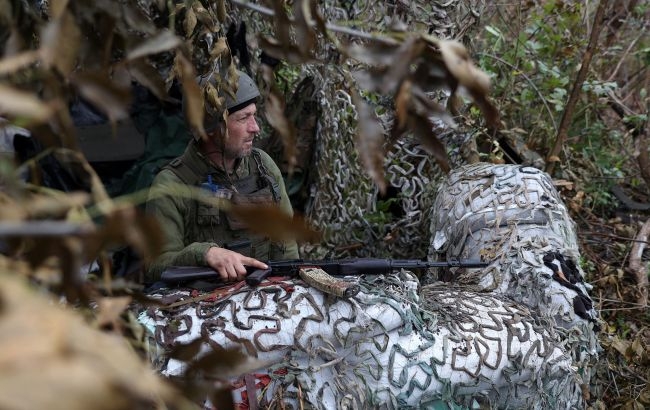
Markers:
<point>334,267</point>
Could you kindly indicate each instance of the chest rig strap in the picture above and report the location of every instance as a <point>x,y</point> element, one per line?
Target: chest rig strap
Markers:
<point>264,173</point>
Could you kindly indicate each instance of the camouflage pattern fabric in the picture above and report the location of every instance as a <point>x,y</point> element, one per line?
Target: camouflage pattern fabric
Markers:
<point>385,347</point>
<point>511,335</point>
<point>513,215</point>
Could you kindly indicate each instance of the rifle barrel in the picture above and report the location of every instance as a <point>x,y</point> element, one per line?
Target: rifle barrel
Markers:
<point>341,267</point>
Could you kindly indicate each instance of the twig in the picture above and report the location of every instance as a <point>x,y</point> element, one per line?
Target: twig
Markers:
<point>532,84</point>
<point>625,54</point>
<point>332,27</point>
<point>637,266</point>
<point>567,115</point>
<point>622,238</point>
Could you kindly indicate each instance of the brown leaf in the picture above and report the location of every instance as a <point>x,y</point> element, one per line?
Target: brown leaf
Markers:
<point>104,94</point>
<point>78,161</point>
<point>378,52</point>
<point>290,53</point>
<point>622,346</point>
<point>147,75</point>
<point>402,108</point>
<point>220,46</point>
<point>189,23</point>
<point>8,65</point>
<point>226,363</point>
<point>57,7</point>
<point>60,43</point>
<point>370,142</point>
<point>274,111</point>
<point>490,112</point>
<point>460,65</point>
<point>128,226</point>
<point>431,75</point>
<point>271,221</point>
<point>212,98</point>
<point>397,61</point>
<point>223,397</point>
<point>303,26</point>
<point>55,204</point>
<point>135,18</point>
<point>194,109</point>
<point>164,40</point>
<point>426,107</point>
<point>204,16</point>
<point>282,23</point>
<point>110,309</point>
<point>59,362</point>
<point>423,129</point>
<point>186,352</point>
<point>221,11</point>
<point>17,103</point>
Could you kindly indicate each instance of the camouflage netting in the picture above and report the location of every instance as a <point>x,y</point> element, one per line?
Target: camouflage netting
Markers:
<point>517,334</point>
<point>346,204</point>
<point>340,198</point>
<point>389,346</point>
<point>512,215</point>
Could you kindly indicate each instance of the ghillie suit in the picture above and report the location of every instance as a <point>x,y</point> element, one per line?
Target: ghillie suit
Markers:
<point>517,334</point>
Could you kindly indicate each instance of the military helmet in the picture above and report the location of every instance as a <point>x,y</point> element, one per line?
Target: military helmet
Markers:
<point>247,92</point>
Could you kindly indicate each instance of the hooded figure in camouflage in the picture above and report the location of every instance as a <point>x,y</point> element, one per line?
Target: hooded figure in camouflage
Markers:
<point>226,166</point>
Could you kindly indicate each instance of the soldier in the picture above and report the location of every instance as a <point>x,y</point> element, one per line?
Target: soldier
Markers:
<point>227,165</point>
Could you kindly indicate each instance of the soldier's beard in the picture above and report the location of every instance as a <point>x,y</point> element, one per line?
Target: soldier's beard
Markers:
<point>240,152</point>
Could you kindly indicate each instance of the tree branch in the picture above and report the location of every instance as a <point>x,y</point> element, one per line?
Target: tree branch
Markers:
<point>637,266</point>
<point>567,115</point>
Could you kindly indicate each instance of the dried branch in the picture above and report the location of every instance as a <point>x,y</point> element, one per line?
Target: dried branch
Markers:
<point>567,115</point>
<point>637,266</point>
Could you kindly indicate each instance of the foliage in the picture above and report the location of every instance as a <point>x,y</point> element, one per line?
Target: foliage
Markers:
<point>57,52</point>
<point>533,53</point>
<point>533,50</point>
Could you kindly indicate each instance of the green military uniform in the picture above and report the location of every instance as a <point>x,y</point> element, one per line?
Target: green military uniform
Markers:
<point>191,227</point>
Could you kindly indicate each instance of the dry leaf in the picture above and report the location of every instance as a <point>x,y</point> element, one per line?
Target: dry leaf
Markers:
<point>190,22</point>
<point>290,53</point>
<point>60,43</point>
<point>9,65</point>
<point>273,222</point>
<point>162,41</point>
<point>104,94</point>
<point>274,111</point>
<point>220,46</point>
<point>147,75</point>
<point>460,65</point>
<point>110,310</point>
<point>303,27</point>
<point>58,362</point>
<point>22,104</point>
<point>194,109</point>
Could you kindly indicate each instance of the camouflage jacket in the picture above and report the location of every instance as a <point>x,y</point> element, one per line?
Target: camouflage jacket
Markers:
<point>191,227</point>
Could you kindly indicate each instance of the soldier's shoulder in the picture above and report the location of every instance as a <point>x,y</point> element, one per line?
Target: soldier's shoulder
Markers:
<point>265,158</point>
<point>166,174</point>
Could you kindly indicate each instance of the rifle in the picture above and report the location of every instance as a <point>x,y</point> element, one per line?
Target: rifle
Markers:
<point>333,267</point>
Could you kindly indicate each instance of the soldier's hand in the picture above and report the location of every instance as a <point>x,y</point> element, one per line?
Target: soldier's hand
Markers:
<point>230,265</point>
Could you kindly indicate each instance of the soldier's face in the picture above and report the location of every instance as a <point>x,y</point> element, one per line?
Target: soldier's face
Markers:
<point>242,129</point>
